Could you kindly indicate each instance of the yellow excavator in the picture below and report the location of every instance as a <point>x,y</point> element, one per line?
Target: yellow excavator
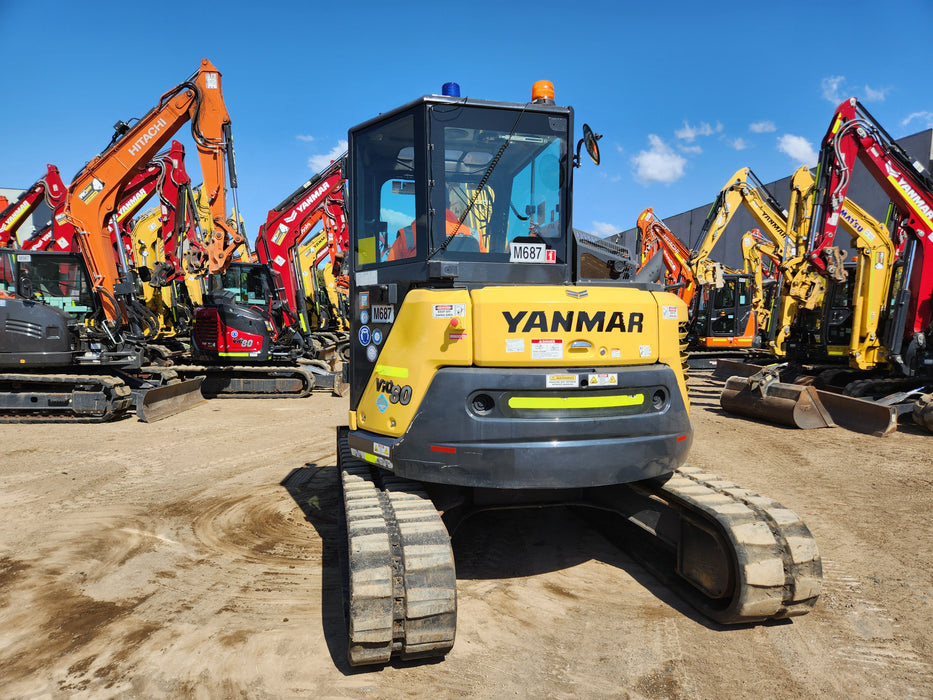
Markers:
<point>820,322</point>
<point>487,371</point>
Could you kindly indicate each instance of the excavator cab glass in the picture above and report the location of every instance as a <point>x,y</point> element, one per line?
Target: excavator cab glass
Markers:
<point>482,184</point>
<point>248,283</point>
<point>56,279</point>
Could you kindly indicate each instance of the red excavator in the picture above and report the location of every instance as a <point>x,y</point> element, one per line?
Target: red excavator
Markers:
<point>315,211</point>
<point>254,317</point>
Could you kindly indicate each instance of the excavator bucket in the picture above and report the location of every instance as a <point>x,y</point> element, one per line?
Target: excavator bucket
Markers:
<point>164,401</point>
<point>752,390</point>
<point>787,404</point>
<point>859,415</point>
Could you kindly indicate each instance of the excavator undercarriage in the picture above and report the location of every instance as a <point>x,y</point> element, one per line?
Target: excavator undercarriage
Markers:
<point>734,555</point>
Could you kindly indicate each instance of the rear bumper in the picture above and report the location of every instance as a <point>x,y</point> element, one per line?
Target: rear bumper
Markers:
<point>528,438</point>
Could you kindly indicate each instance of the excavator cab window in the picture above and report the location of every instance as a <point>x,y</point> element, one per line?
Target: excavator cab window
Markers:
<point>247,283</point>
<point>504,182</point>
<point>386,200</point>
<point>462,182</point>
<point>57,279</point>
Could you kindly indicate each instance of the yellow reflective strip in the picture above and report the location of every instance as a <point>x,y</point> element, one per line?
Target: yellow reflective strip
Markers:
<point>551,402</point>
<point>386,370</point>
<point>233,354</point>
<point>832,351</point>
<point>369,458</point>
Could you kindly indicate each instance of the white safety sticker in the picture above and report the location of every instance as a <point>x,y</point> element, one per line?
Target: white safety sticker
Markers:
<point>604,379</point>
<point>515,345</point>
<point>547,349</point>
<point>615,352</point>
<point>644,350</point>
<point>669,312</point>
<point>381,449</point>
<point>562,381</point>
<point>448,310</point>
<point>367,278</point>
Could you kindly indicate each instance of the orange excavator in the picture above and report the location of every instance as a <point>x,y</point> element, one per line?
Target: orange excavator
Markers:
<point>719,298</point>
<point>92,197</point>
<point>108,347</point>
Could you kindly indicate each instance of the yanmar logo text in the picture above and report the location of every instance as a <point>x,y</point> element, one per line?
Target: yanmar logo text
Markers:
<point>915,197</point>
<point>307,201</point>
<point>18,212</point>
<point>576,321</point>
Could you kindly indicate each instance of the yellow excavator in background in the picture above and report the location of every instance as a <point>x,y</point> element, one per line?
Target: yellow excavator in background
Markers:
<point>326,293</point>
<point>837,318</point>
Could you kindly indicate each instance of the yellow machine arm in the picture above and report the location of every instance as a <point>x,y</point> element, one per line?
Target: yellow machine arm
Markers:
<point>782,231</point>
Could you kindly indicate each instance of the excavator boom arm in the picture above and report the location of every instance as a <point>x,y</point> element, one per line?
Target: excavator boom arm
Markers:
<point>855,135</point>
<point>92,197</point>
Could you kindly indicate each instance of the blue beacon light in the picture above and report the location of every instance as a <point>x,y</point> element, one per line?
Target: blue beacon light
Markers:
<point>451,90</point>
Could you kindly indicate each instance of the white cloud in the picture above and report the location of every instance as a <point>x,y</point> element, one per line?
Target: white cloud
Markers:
<point>690,150</point>
<point>658,164</point>
<point>689,133</point>
<point>762,127</point>
<point>318,162</point>
<point>925,117</point>
<point>798,148</point>
<point>602,229</point>
<point>833,88</point>
<point>872,95</point>
<point>304,137</point>
<point>738,144</point>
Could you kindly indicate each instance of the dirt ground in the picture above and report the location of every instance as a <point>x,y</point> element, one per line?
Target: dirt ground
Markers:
<point>196,557</point>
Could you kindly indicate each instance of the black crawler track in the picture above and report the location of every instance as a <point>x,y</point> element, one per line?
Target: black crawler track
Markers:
<point>62,398</point>
<point>401,587</point>
<point>736,556</point>
<point>255,382</point>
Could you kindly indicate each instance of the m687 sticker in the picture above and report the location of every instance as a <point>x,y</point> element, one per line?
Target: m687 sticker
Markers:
<point>383,313</point>
<point>398,393</point>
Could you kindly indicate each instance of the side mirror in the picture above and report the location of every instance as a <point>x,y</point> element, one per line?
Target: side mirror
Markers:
<point>590,139</point>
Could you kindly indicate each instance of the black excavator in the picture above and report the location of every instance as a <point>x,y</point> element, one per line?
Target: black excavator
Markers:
<point>62,360</point>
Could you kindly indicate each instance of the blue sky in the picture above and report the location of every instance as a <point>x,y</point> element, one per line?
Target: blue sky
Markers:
<point>685,93</point>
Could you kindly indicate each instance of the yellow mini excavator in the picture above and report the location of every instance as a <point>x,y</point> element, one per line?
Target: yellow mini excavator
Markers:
<point>486,371</point>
